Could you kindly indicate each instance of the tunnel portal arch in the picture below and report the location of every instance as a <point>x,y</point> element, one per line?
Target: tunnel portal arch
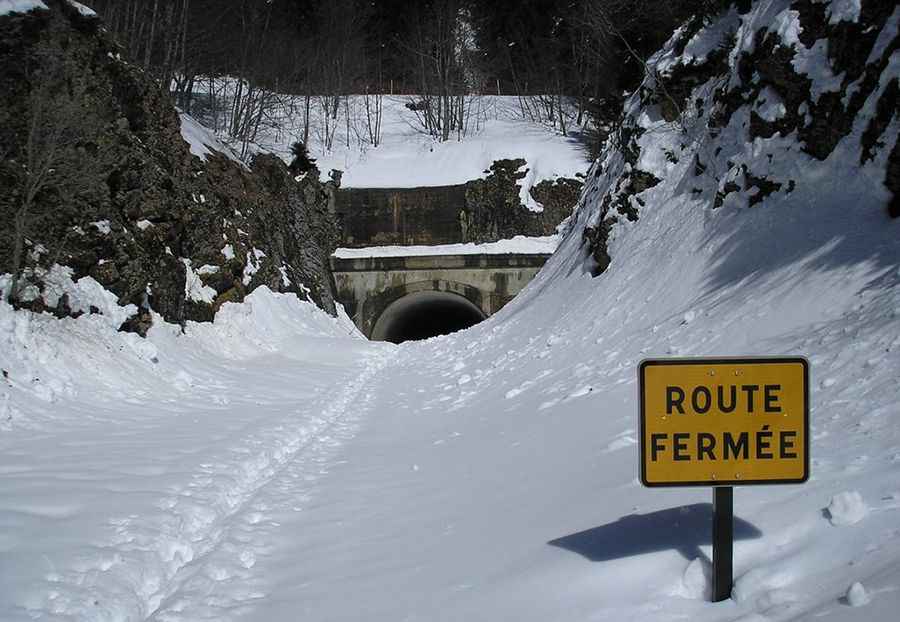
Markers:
<point>424,314</point>
<point>388,311</point>
<point>368,286</point>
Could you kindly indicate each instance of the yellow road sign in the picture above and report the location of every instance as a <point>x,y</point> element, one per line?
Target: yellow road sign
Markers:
<point>724,422</point>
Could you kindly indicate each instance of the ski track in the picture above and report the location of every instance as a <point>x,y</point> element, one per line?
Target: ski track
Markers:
<point>160,567</point>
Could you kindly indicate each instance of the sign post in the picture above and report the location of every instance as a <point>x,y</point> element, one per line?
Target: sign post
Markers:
<point>724,422</point>
<point>722,542</point>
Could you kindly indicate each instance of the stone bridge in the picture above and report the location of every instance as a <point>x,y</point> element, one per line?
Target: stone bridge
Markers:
<point>414,297</point>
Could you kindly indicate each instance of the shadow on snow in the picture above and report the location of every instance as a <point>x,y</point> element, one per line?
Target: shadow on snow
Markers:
<point>682,529</point>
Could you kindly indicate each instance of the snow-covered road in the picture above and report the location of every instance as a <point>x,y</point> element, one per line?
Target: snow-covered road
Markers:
<point>274,466</point>
<point>163,489</point>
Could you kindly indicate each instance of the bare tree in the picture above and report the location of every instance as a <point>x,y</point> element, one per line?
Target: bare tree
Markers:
<point>439,49</point>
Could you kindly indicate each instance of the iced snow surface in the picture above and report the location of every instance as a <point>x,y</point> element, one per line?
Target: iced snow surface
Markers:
<point>20,6</point>
<point>519,244</point>
<point>274,466</point>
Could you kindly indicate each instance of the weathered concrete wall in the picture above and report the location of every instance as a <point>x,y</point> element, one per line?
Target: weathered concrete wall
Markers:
<point>400,216</point>
<point>366,287</point>
<point>482,210</point>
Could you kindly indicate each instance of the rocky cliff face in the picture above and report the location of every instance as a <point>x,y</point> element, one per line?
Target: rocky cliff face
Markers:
<point>493,206</point>
<point>97,177</point>
<point>764,105</point>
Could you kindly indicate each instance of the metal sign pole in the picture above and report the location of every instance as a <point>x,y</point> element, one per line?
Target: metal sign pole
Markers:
<point>723,542</point>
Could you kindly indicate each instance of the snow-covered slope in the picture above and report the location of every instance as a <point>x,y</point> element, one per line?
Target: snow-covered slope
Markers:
<point>407,157</point>
<point>274,466</point>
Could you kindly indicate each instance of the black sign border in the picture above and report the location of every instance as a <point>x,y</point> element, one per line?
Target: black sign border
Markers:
<point>644,364</point>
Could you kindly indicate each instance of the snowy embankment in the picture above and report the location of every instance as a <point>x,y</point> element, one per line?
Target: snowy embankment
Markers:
<point>272,466</point>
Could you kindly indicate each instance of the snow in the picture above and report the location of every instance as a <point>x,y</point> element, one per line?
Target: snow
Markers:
<point>708,39</point>
<point>856,595</point>
<point>102,226</point>
<point>846,508</point>
<point>771,107</point>
<point>194,289</point>
<point>252,265</point>
<point>520,244</point>
<point>406,156</point>
<point>813,63</point>
<point>408,159</point>
<point>843,11</point>
<point>83,10</point>
<point>273,465</point>
<point>787,25</point>
<point>8,7</point>
<point>201,141</point>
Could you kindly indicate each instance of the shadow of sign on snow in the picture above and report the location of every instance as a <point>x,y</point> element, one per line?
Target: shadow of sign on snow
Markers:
<point>682,528</point>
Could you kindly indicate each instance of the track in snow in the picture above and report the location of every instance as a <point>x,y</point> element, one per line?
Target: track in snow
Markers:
<point>206,533</point>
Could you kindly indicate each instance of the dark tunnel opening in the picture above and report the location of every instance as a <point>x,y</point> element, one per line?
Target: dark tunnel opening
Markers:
<point>425,314</point>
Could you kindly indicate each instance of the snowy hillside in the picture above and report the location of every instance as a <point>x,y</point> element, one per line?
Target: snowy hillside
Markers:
<point>407,157</point>
<point>274,465</point>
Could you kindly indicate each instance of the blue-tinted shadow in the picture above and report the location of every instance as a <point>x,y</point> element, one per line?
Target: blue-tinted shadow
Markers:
<point>682,529</point>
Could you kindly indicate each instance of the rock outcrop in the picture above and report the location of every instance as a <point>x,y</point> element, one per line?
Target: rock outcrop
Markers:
<point>97,176</point>
<point>494,211</point>
<point>754,101</point>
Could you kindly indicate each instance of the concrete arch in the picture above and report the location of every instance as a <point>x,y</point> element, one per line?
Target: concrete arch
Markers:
<point>375,306</point>
<point>425,314</point>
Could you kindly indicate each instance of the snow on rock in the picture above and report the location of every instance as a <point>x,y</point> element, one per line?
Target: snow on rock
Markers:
<point>8,7</point>
<point>252,265</point>
<point>787,25</point>
<point>843,11</point>
<point>707,40</point>
<point>519,244</point>
<point>194,289</point>
<point>102,226</point>
<point>83,10</point>
<point>846,508</point>
<point>525,184</point>
<point>771,107</point>
<point>202,141</point>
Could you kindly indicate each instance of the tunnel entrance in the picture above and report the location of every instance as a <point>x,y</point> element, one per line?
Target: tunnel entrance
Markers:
<point>425,314</point>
